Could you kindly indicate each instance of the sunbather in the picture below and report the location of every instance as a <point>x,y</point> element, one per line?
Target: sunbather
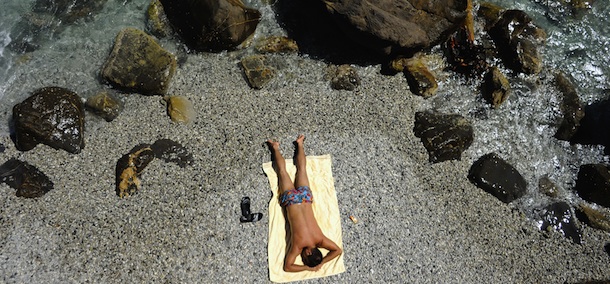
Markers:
<point>305,234</point>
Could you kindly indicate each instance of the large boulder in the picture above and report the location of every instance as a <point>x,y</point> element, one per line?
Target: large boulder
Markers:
<point>211,25</point>
<point>593,183</point>
<point>398,26</point>
<point>571,107</point>
<point>138,63</point>
<point>53,116</point>
<point>593,128</point>
<point>445,136</point>
<point>497,177</point>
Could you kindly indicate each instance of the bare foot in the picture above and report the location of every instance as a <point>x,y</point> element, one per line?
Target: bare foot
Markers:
<point>274,145</point>
<point>300,139</point>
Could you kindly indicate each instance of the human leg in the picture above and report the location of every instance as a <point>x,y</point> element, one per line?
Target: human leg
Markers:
<point>279,163</point>
<point>301,178</point>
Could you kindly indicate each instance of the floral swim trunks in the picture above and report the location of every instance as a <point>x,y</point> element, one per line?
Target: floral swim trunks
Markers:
<point>296,196</point>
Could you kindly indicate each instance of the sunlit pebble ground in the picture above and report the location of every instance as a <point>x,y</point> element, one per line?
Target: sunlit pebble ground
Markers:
<point>417,222</point>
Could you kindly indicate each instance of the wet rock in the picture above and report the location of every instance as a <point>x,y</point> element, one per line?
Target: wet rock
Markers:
<point>129,167</point>
<point>53,116</point>
<point>497,177</point>
<point>547,187</point>
<point>445,136</point>
<point>156,20</point>
<point>463,55</point>
<point>25,178</point>
<point>571,108</point>
<point>343,77</point>
<point>257,70</point>
<point>180,109</point>
<point>594,125</point>
<point>517,40</point>
<point>558,217</point>
<point>420,79</point>
<point>495,87</point>
<point>592,217</point>
<point>138,63</point>
<point>397,26</point>
<point>490,13</point>
<point>47,19</point>
<point>172,152</point>
<point>105,105</point>
<point>212,25</point>
<point>561,10</point>
<point>277,44</point>
<point>593,183</point>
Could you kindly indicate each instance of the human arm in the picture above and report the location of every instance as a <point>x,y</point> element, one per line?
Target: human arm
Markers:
<point>289,262</point>
<point>333,250</point>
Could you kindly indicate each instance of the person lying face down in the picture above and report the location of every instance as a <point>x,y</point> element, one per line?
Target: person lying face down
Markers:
<point>305,234</point>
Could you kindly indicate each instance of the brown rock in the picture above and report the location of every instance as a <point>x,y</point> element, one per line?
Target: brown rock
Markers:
<point>25,178</point>
<point>180,109</point>
<point>548,187</point>
<point>398,26</point>
<point>343,77</point>
<point>138,63</point>
<point>495,87</point>
<point>421,81</point>
<point>571,108</point>
<point>593,217</point>
<point>104,105</point>
<point>277,44</point>
<point>156,20</point>
<point>129,167</point>
<point>212,25</point>
<point>445,136</point>
<point>257,70</point>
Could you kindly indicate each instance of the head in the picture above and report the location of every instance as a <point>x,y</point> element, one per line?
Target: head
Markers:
<point>311,256</point>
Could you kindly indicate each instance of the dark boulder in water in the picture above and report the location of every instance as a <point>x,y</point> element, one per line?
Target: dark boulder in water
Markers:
<point>593,183</point>
<point>571,108</point>
<point>445,136</point>
<point>25,178</point>
<point>517,40</point>
<point>594,125</point>
<point>495,87</point>
<point>494,175</point>
<point>211,25</point>
<point>558,217</point>
<point>53,116</point>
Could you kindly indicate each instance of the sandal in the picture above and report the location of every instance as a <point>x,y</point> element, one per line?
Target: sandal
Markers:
<point>246,216</point>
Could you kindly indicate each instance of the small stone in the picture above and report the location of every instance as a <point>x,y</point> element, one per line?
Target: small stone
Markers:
<point>277,44</point>
<point>548,187</point>
<point>257,70</point>
<point>180,109</point>
<point>445,136</point>
<point>53,116</point>
<point>129,167</point>
<point>138,63</point>
<point>25,178</point>
<point>2,148</point>
<point>104,105</point>
<point>497,177</point>
<point>495,87</point>
<point>344,77</point>
<point>558,217</point>
<point>421,81</point>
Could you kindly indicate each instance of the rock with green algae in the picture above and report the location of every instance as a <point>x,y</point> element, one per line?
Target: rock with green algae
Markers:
<point>138,63</point>
<point>156,20</point>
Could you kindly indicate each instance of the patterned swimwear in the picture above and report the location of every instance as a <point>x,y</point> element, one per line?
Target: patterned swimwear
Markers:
<point>296,196</point>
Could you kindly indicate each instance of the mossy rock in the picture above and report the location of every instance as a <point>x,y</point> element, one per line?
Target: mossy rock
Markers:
<point>138,63</point>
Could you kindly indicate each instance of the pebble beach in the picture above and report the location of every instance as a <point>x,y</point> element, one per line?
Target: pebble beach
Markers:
<point>417,222</point>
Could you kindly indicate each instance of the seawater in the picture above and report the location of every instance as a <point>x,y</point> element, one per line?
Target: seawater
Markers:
<point>521,131</point>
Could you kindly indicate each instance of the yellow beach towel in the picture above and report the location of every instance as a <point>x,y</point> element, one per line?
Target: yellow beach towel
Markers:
<point>325,208</point>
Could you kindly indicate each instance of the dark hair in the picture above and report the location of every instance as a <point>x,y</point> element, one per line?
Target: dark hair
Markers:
<point>314,259</point>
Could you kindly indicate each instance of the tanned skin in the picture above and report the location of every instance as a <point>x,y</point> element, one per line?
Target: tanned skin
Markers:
<point>305,234</point>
